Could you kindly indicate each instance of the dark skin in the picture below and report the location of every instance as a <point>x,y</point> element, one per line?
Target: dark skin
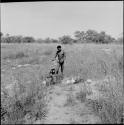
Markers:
<point>61,58</point>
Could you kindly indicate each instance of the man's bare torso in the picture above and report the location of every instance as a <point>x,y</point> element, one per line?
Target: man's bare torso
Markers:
<point>60,55</point>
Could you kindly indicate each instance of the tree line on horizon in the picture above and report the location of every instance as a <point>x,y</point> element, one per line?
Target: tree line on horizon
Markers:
<point>90,36</point>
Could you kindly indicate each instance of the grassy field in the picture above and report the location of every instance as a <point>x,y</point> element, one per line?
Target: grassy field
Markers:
<point>22,92</point>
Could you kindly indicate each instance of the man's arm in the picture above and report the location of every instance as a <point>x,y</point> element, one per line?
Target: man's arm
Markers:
<point>55,56</point>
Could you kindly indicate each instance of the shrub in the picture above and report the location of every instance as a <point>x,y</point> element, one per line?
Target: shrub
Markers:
<point>66,40</point>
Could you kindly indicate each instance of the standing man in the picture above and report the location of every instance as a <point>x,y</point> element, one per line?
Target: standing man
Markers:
<point>60,54</point>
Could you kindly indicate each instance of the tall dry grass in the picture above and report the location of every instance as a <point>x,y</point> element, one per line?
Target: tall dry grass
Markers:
<point>93,62</point>
<point>110,108</point>
<point>86,61</point>
<point>25,97</point>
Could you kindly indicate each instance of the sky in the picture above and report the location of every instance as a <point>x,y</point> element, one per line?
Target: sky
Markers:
<point>55,19</point>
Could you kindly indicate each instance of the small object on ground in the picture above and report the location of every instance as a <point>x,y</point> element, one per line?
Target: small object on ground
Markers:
<point>72,80</point>
<point>89,81</point>
<point>19,66</point>
<point>68,81</point>
<point>44,82</point>
<point>78,80</point>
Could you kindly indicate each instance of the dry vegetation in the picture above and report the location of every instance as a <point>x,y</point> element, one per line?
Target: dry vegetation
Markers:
<point>23,95</point>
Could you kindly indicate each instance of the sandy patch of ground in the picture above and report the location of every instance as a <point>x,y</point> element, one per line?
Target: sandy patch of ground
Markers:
<point>59,112</point>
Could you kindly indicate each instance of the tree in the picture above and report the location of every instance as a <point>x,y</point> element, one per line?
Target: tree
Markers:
<point>47,40</point>
<point>102,37</point>
<point>19,39</point>
<point>54,41</point>
<point>80,36</point>
<point>120,40</point>
<point>108,39</point>
<point>40,41</point>
<point>66,39</point>
<point>28,39</point>
<point>8,39</point>
<point>91,35</point>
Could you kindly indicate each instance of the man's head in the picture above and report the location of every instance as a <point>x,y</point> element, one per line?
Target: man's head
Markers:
<point>59,48</point>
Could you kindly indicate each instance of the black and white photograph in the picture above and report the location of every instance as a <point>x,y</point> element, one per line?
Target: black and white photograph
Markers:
<point>62,62</point>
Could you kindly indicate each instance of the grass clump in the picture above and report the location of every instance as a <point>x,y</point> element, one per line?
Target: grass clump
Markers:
<point>110,107</point>
<point>109,112</point>
<point>81,95</point>
<point>28,99</point>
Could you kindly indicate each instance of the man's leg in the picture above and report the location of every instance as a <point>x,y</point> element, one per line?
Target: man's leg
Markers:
<point>62,67</point>
<point>57,68</point>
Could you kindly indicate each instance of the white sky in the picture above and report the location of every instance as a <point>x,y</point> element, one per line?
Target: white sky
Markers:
<point>55,19</point>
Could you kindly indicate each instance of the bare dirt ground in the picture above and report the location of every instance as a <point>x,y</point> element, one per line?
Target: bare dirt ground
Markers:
<point>61,110</point>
